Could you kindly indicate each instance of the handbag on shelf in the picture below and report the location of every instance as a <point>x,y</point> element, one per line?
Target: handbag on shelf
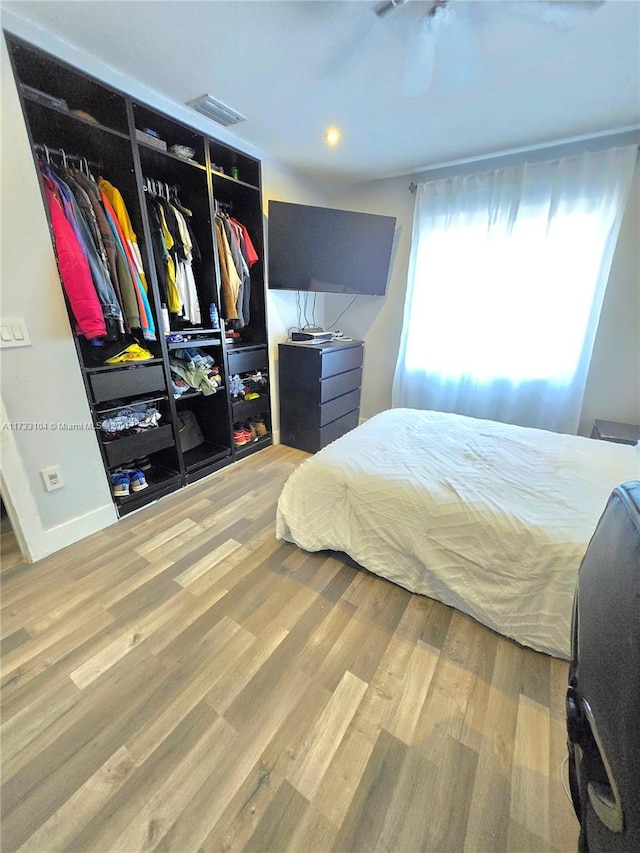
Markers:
<point>189,431</point>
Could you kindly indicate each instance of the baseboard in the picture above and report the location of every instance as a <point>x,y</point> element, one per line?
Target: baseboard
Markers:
<point>79,528</point>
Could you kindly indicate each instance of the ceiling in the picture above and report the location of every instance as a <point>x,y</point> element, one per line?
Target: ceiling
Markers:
<point>295,68</point>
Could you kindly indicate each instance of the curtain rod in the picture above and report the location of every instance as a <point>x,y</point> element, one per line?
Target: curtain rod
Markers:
<point>535,153</point>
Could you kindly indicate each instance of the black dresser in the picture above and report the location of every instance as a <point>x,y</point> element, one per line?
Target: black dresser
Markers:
<point>319,392</point>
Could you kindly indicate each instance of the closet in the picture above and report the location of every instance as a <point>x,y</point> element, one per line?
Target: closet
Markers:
<point>172,341</point>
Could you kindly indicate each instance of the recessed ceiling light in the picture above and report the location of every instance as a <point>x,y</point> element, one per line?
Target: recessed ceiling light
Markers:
<point>332,136</point>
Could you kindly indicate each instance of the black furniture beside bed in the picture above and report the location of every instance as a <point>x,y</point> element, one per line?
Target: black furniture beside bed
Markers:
<point>603,695</point>
<point>319,391</point>
<point>616,432</point>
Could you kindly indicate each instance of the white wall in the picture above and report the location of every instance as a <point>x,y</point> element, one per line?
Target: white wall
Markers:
<point>43,383</point>
<point>613,386</point>
<point>374,319</point>
<point>281,184</point>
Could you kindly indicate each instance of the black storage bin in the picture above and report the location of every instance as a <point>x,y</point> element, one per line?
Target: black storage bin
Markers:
<point>244,359</point>
<point>126,382</point>
<point>131,447</point>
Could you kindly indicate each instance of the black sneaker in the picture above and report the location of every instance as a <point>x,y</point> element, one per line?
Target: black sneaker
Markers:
<point>142,464</point>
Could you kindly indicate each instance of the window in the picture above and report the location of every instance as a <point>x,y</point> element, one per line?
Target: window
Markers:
<point>506,281</point>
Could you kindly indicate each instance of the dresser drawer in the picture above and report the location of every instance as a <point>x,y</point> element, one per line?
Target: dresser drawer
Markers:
<point>334,386</point>
<point>242,360</point>
<point>340,406</point>
<point>126,382</point>
<point>337,428</point>
<point>340,361</point>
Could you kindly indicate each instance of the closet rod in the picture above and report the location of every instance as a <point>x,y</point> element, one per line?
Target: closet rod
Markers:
<point>150,182</point>
<point>40,148</point>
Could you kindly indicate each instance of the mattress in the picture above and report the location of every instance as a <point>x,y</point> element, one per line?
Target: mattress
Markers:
<point>489,518</point>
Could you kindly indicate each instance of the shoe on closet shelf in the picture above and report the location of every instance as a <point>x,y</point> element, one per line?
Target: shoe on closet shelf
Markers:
<point>249,427</point>
<point>239,435</point>
<point>137,480</point>
<point>142,464</point>
<point>120,484</point>
<point>260,427</point>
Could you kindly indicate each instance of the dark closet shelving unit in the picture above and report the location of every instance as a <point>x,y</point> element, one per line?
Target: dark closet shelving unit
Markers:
<point>113,142</point>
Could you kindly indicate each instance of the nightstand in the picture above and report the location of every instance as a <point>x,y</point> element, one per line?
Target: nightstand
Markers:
<point>618,433</point>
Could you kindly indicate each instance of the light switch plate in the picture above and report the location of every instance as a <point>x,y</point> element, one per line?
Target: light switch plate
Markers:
<point>13,332</point>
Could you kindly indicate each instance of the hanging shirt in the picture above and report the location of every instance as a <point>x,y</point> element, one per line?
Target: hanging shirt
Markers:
<point>74,269</point>
<point>106,236</point>
<point>117,202</point>
<point>99,274</point>
<point>146,317</point>
<point>174,303</point>
<point>241,268</point>
<point>252,255</point>
<point>230,281</point>
<point>190,301</point>
<point>244,309</point>
<point>195,249</point>
<point>158,246</point>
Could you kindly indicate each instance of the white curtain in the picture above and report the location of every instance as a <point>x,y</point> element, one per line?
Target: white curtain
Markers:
<point>506,280</point>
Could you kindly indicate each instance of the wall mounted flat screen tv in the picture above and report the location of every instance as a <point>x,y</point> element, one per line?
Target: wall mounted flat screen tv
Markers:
<point>329,251</point>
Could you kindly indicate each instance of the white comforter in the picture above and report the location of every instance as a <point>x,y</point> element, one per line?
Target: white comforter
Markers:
<point>490,518</point>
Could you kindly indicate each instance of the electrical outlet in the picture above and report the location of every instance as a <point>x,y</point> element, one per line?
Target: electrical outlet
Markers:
<point>52,478</point>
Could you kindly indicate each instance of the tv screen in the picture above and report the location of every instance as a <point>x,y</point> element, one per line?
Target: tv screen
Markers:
<point>331,251</point>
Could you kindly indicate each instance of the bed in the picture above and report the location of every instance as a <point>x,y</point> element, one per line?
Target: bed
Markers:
<point>486,517</point>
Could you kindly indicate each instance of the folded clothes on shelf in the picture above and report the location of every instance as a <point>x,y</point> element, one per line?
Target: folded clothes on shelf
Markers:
<point>193,369</point>
<point>129,420</point>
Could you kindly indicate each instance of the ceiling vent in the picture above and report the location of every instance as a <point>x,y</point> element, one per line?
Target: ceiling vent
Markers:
<point>216,110</point>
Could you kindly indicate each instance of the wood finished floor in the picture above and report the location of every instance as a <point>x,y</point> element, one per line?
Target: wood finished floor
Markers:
<point>182,681</point>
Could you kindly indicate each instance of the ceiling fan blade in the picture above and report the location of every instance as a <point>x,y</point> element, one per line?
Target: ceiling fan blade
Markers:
<point>348,52</point>
<point>420,59</point>
<point>457,46</point>
<point>563,14</point>
<point>388,6</point>
<point>567,15</point>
